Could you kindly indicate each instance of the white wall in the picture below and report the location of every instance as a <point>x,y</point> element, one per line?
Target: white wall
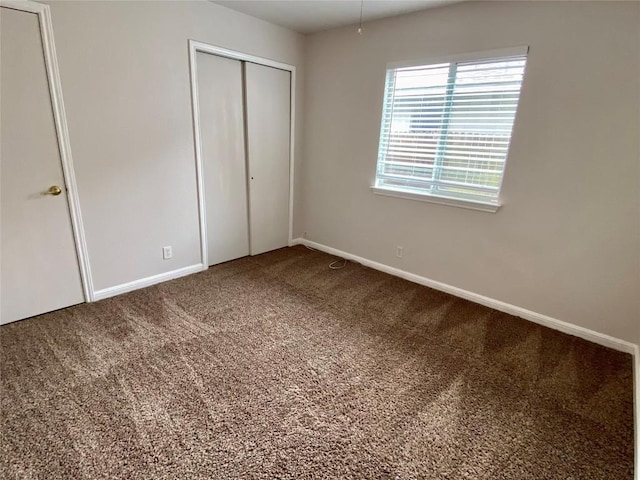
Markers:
<point>125,80</point>
<point>566,243</point>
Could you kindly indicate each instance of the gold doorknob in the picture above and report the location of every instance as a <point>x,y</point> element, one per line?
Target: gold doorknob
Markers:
<point>53,190</point>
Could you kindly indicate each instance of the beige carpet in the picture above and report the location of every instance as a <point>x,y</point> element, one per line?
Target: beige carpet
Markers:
<point>277,367</point>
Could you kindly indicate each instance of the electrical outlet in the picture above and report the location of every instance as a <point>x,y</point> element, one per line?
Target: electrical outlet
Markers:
<point>399,251</point>
<point>167,253</point>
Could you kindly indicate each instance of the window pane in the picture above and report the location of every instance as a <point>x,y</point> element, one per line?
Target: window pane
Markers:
<point>446,128</point>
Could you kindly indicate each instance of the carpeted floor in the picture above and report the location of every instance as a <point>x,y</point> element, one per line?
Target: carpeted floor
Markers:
<point>277,367</point>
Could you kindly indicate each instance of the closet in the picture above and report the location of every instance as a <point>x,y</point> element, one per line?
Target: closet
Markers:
<point>244,126</point>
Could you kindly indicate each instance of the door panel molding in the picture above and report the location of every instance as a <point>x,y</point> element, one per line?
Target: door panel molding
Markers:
<point>62,133</point>
<point>194,47</point>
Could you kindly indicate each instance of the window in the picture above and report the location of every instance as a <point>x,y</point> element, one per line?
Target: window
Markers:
<point>446,128</point>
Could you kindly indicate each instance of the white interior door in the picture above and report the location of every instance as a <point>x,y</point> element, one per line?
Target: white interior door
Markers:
<point>268,106</point>
<point>39,264</point>
<point>220,101</point>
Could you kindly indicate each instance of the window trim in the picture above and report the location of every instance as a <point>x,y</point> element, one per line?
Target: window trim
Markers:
<point>491,206</point>
<point>460,57</point>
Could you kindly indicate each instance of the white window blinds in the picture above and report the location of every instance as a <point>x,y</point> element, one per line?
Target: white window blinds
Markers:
<point>446,127</point>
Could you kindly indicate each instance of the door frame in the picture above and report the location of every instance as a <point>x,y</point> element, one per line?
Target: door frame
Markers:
<point>62,133</point>
<point>195,47</point>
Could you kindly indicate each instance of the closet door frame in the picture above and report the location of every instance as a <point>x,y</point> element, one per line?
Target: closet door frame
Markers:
<point>62,134</point>
<point>195,47</point>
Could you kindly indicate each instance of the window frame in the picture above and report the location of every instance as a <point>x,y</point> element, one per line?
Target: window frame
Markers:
<point>489,205</point>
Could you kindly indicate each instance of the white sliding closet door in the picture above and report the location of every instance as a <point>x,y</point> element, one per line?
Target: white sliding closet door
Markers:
<point>220,96</point>
<point>268,107</point>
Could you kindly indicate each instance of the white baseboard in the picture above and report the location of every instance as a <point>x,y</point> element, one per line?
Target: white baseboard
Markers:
<point>146,282</point>
<point>585,333</point>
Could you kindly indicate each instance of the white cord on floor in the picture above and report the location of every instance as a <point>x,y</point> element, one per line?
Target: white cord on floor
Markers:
<point>336,265</point>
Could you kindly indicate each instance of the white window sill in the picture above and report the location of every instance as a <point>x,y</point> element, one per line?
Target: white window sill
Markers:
<point>423,197</point>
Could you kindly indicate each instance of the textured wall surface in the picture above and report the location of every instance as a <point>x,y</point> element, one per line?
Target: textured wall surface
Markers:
<point>125,78</point>
<point>566,242</point>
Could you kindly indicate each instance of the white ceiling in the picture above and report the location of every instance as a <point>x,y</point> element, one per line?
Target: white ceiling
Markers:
<point>307,16</point>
